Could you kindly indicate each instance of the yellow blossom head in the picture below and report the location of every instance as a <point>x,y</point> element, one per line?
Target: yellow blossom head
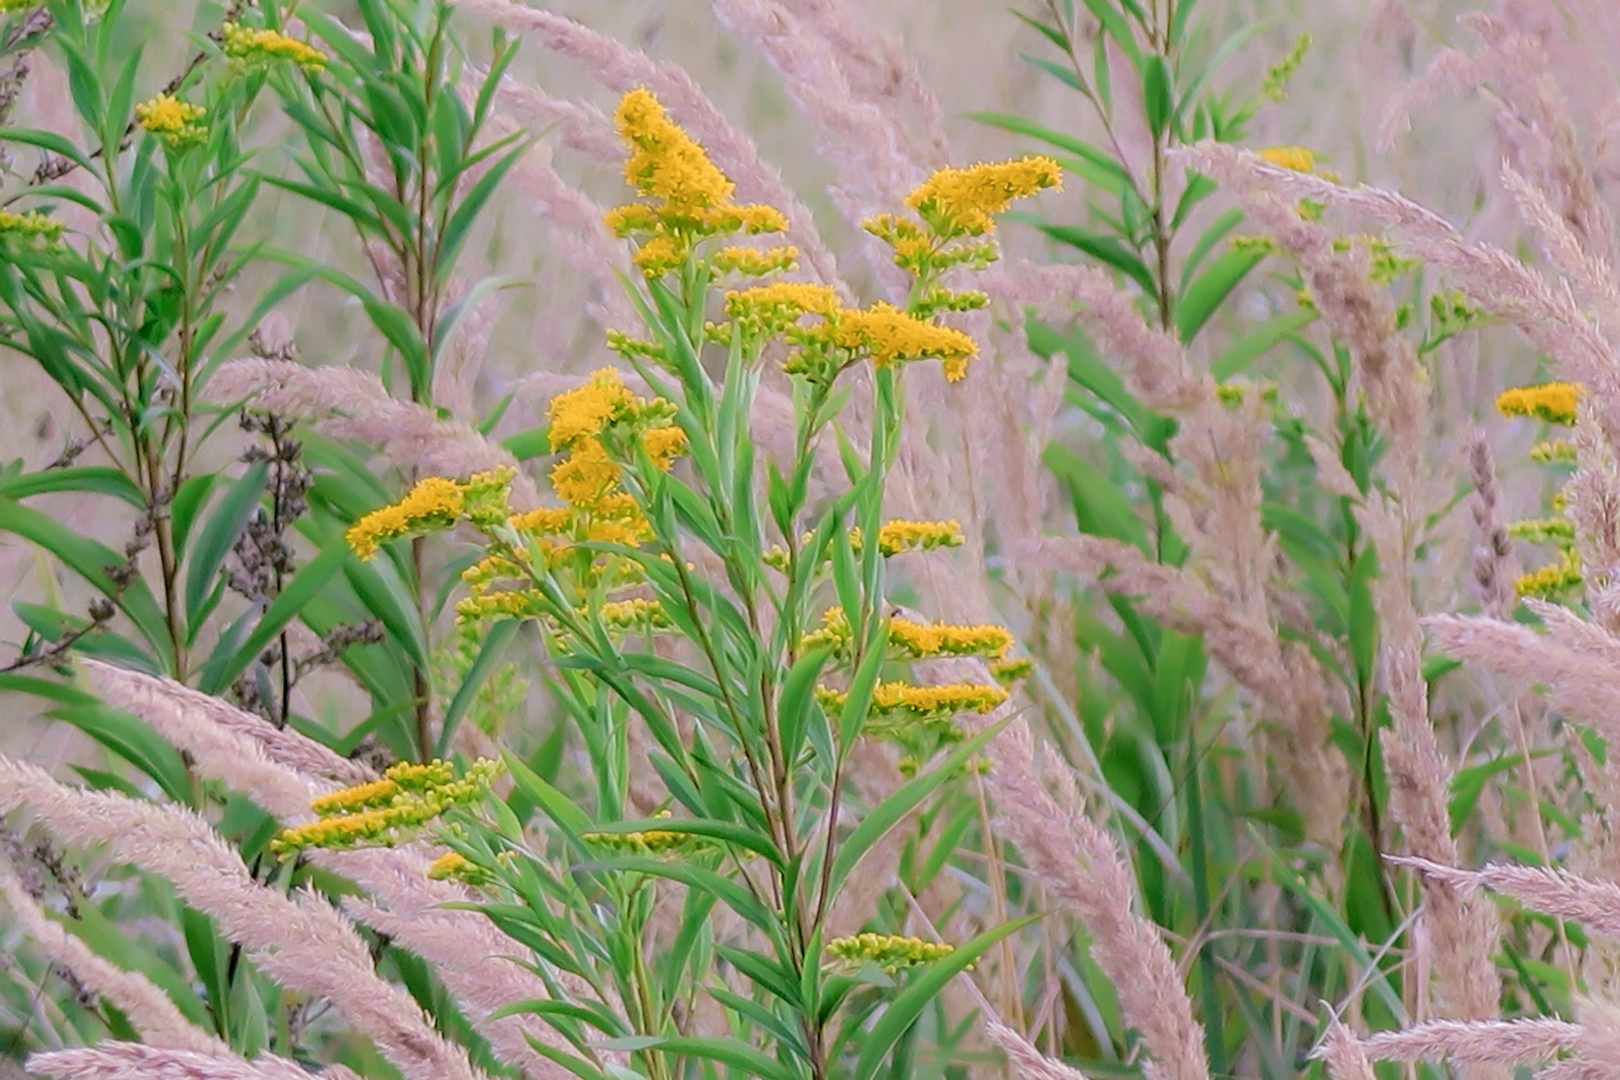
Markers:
<point>260,48</point>
<point>1554,403</point>
<point>172,120</point>
<point>963,202</point>
<point>434,503</point>
<point>1296,158</point>
<point>665,162</point>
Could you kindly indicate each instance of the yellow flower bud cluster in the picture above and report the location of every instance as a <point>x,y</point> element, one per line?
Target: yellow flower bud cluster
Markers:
<point>1553,403</point>
<point>260,48</point>
<point>888,951</point>
<point>172,120</point>
<point>693,195</point>
<point>389,811</point>
<point>647,842</point>
<point>434,503</point>
<point>894,538</point>
<point>30,229</point>
<point>913,640</point>
<point>1553,581</point>
<point>1553,452</point>
<point>921,702</point>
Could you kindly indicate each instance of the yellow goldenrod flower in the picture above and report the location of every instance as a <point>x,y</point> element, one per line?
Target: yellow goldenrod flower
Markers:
<point>1552,581</point>
<point>664,445</point>
<point>922,702</point>
<point>896,537</point>
<point>636,614</point>
<point>1553,452</point>
<point>585,476</point>
<point>260,48</point>
<point>351,800</point>
<point>546,521</point>
<point>1296,158</point>
<point>661,255</point>
<point>754,262</point>
<point>892,336</point>
<point>584,413</point>
<point>434,503</point>
<point>1554,403</point>
<point>888,951</point>
<point>1007,672</point>
<point>961,202</point>
<point>31,228</point>
<point>648,842</point>
<point>666,163</point>
<point>1557,530</point>
<point>172,120</point>
<point>373,814</point>
<point>453,865</point>
<point>914,640</point>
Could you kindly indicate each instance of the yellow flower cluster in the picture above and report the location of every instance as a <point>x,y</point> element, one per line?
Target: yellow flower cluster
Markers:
<point>963,202</point>
<point>666,164</point>
<point>1553,452</point>
<point>172,120</point>
<point>434,503</point>
<point>914,640</point>
<point>31,228</point>
<point>1296,158</point>
<point>888,951</point>
<point>647,842</point>
<point>921,702</point>
<point>635,614</point>
<point>260,48</point>
<point>1555,530</point>
<point>894,538</point>
<point>389,810</point>
<point>891,336</point>
<point>1554,403</point>
<point>897,537</point>
<point>1553,581</point>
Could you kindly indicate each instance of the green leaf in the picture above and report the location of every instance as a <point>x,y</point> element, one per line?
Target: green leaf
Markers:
<point>1105,249</point>
<point>739,1055</point>
<point>909,1004</point>
<point>1157,96</point>
<point>1203,297</point>
<point>93,479</point>
<point>215,541</point>
<point>557,806</point>
<point>876,825</point>
<point>1244,351</point>
<point>90,560</point>
<point>488,656</point>
<point>134,741</point>
<point>1020,125</point>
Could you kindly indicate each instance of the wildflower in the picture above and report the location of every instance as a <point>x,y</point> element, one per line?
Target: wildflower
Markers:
<point>352,800</point>
<point>754,262</point>
<point>664,445</point>
<point>1296,158</point>
<point>1007,672</point>
<point>891,336</point>
<point>261,48</point>
<point>1553,452</point>
<point>1274,87</point>
<point>172,120</point>
<point>585,476</point>
<point>1553,580</point>
<point>1554,403</point>
<point>454,866</point>
<point>914,640</point>
<point>921,702</point>
<point>434,503</point>
<point>542,522</point>
<point>1557,530</point>
<point>30,229</point>
<point>636,614</point>
<point>961,202</point>
<point>374,814</point>
<point>648,842</point>
<point>888,951</point>
<point>896,537</point>
<point>666,164</point>
<point>584,413</point>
